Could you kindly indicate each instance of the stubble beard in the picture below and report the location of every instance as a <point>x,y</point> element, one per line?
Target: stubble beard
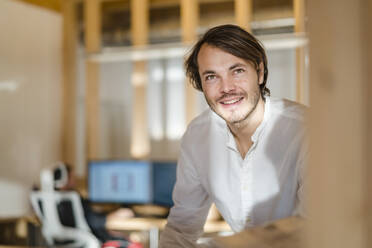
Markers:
<point>235,118</point>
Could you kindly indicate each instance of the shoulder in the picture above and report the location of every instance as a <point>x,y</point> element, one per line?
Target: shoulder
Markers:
<point>288,109</point>
<point>204,126</point>
<point>204,122</point>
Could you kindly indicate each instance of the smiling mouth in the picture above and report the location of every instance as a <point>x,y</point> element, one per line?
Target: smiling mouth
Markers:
<point>232,101</point>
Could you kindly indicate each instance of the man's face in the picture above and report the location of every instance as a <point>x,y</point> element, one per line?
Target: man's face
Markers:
<point>230,84</point>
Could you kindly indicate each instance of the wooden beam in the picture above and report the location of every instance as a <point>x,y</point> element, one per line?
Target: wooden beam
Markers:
<point>189,20</point>
<point>92,18</point>
<point>243,13</point>
<point>189,25</point>
<point>299,14</point>
<point>92,114</point>
<point>139,22</point>
<point>140,144</point>
<point>54,5</point>
<point>70,35</point>
<point>340,122</point>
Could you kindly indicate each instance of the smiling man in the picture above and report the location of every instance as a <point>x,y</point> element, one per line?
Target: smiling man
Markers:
<point>246,153</point>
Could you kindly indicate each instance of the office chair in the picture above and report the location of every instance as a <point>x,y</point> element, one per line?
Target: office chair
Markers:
<point>45,204</point>
<point>60,175</point>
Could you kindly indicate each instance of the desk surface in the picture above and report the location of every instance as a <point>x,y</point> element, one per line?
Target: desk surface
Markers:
<point>132,224</point>
<point>282,233</point>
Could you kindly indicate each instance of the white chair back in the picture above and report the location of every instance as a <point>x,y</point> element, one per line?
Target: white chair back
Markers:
<point>45,205</point>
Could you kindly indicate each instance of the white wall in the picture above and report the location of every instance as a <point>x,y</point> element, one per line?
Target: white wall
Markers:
<point>282,73</point>
<point>30,98</point>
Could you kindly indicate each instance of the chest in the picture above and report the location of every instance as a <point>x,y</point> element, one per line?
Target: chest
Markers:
<point>225,174</point>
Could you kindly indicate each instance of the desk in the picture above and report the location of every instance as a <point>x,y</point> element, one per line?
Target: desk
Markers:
<point>135,224</point>
<point>153,225</point>
<point>18,230</point>
<point>144,224</point>
<point>282,233</point>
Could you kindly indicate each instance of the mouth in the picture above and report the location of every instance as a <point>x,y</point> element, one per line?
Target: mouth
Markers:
<point>231,102</point>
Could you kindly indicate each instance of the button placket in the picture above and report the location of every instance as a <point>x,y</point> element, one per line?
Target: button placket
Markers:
<point>246,188</point>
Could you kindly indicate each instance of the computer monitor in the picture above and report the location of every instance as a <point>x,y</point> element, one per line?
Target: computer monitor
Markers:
<point>122,181</point>
<point>132,182</point>
<point>164,178</point>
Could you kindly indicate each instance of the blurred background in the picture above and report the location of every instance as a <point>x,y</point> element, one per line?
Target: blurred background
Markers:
<point>103,80</point>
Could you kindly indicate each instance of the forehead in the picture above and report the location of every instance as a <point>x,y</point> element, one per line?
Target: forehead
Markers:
<point>211,57</point>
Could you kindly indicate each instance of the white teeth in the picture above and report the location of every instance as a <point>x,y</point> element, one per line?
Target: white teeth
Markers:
<point>231,101</point>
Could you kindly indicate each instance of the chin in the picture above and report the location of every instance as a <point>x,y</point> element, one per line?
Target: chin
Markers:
<point>234,118</point>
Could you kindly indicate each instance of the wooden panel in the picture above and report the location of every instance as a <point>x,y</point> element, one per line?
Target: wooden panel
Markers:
<point>367,25</point>
<point>92,18</point>
<point>339,119</point>
<point>69,81</point>
<point>243,13</point>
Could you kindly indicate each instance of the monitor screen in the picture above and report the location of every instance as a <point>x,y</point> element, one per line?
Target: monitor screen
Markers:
<point>124,181</point>
<point>164,178</point>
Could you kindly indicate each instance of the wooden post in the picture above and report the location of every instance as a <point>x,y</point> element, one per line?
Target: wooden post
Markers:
<point>367,25</point>
<point>243,13</point>
<point>340,122</point>
<point>189,25</point>
<point>92,18</point>
<point>299,14</point>
<point>140,144</point>
<point>69,81</point>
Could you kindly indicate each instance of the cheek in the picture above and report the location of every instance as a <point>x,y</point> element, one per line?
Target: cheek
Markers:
<point>208,95</point>
<point>209,91</point>
<point>250,84</point>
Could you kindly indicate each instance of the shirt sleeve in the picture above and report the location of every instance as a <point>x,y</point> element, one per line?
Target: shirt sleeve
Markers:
<point>191,205</point>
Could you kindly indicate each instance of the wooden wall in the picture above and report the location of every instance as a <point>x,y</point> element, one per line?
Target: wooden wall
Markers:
<point>340,120</point>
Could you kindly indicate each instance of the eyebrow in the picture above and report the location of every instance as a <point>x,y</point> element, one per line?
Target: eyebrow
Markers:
<point>236,65</point>
<point>230,68</point>
<point>208,72</point>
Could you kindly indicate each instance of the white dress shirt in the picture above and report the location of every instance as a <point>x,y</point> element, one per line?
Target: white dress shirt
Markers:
<point>264,186</point>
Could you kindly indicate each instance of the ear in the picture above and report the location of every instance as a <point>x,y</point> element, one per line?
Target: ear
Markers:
<point>260,73</point>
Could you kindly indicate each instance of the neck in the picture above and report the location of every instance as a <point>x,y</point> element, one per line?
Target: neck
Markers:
<point>244,130</point>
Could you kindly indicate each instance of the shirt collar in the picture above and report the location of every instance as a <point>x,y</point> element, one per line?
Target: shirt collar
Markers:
<point>256,135</point>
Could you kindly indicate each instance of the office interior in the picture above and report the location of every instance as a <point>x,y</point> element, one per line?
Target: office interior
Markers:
<point>103,80</point>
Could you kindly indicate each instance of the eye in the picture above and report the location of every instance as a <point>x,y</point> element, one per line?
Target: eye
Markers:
<point>239,70</point>
<point>209,77</point>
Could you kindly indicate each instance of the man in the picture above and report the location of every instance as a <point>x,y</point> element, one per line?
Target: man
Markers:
<point>246,153</point>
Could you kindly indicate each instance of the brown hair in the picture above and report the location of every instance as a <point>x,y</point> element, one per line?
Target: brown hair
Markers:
<point>231,39</point>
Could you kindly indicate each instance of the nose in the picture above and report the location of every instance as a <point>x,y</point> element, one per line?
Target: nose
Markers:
<point>227,85</point>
